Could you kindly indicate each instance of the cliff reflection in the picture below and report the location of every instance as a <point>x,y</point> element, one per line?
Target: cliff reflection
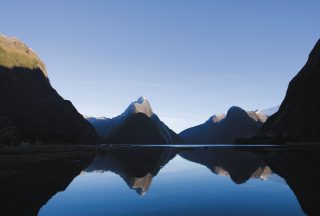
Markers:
<point>299,167</point>
<point>239,165</point>
<point>137,166</point>
<point>25,189</point>
<point>24,193</point>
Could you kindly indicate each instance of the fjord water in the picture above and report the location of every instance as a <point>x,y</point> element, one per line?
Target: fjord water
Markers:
<point>218,180</point>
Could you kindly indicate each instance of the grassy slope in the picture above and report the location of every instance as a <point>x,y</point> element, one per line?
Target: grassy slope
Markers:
<point>14,53</point>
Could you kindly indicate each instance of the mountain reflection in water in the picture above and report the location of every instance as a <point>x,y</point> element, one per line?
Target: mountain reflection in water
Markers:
<point>186,181</point>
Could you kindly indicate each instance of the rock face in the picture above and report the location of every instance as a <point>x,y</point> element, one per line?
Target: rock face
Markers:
<point>137,122</point>
<point>225,129</point>
<point>298,118</point>
<point>30,109</point>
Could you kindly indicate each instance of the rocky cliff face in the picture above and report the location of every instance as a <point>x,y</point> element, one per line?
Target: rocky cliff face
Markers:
<point>225,129</point>
<point>30,109</point>
<point>298,118</point>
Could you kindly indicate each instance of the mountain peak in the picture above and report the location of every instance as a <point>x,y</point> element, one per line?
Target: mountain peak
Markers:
<point>141,105</point>
<point>142,99</point>
<point>217,118</point>
<point>15,53</point>
<point>234,110</point>
<point>142,184</point>
<point>269,111</point>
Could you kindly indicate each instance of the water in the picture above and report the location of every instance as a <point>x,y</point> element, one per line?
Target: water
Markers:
<point>219,180</point>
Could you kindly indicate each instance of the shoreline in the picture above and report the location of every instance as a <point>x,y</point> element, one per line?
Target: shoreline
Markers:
<point>18,159</point>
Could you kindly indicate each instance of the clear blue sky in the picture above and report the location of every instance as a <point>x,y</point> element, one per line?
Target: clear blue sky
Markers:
<point>191,59</point>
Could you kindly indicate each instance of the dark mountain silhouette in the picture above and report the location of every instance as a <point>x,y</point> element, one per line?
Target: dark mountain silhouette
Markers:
<point>225,129</point>
<point>149,127</point>
<point>137,167</point>
<point>299,167</point>
<point>137,129</point>
<point>240,166</point>
<point>298,118</point>
<point>26,190</point>
<point>30,109</point>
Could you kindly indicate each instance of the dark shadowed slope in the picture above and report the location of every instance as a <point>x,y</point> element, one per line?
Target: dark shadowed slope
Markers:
<point>225,129</point>
<point>299,167</point>
<point>298,118</point>
<point>30,109</point>
<point>109,128</point>
<point>137,129</point>
<point>136,166</point>
<point>240,166</point>
<point>25,189</point>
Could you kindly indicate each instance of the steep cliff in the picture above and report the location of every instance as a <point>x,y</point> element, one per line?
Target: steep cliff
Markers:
<point>298,118</point>
<point>30,109</point>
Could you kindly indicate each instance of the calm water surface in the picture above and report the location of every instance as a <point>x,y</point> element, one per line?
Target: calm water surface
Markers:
<point>194,181</point>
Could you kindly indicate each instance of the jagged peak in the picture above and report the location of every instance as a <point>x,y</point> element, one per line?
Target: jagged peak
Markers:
<point>142,99</point>
<point>141,105</point>
<point>217,118</point>
<point>262,173</point>
<point>257,115</point>
<point>220,171</point>
<point>269,111</point>
<point>142,184</point>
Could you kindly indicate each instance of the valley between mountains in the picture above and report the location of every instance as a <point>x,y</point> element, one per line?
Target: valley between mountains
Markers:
<point>32,111</point>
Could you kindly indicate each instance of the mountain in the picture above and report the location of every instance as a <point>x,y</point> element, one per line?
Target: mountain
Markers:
<point>30,109</point>
<point>137,124</point>
<point>298,118</point>
<point>269,111</point>
<point>240,166</point>
<point>225,129</point>
<point>136,166</point>
<point>137,129</point>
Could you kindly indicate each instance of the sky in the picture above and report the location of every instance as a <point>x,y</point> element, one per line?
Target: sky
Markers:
<point>190,58</point>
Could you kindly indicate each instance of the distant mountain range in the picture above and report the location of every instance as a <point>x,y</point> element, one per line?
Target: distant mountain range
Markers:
<point>225,129</point>
<point>31,111</point>
<point>270,111</point>
<point>137,124</point>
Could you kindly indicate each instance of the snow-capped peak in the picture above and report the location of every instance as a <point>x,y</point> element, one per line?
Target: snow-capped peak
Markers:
<point>141,105</point>
<point>141,100</point>
<point>269,111</point>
